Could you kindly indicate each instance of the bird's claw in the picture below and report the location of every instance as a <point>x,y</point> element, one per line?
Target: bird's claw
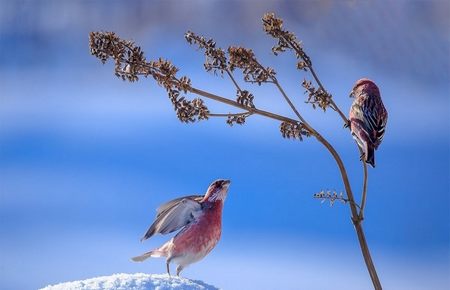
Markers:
<point>347,124</point>
<point>362,157</point>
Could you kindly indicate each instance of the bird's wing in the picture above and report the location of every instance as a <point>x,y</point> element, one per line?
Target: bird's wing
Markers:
<point>375,117</point>
<point>174,215</point>
<point>170,204</point>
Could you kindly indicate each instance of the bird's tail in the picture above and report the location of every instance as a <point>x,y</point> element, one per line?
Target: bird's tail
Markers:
<point>154,254</point>
<point>370,156</point>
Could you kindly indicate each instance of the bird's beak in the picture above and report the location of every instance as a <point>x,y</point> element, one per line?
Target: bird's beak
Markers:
<point>225,183</point>
<point>352,94</point>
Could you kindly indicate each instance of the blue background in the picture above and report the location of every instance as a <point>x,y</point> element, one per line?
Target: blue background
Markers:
<point>86,158</point>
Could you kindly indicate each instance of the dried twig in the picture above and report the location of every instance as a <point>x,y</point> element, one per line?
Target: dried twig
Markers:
<point>321,98</point>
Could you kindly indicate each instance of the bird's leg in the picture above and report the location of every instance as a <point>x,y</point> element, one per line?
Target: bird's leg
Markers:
<point>347,124</point>
<point>167,266</point>
<point>179,269</point>
<point>361,157</point>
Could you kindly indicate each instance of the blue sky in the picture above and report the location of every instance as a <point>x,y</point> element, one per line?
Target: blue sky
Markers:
<point>86,158</point>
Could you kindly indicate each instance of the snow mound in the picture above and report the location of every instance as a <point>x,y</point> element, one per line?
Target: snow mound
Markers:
<point>138,281</point>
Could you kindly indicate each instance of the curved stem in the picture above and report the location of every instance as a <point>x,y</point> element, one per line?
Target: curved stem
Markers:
<point>355,217</point>
<point>364,189</point>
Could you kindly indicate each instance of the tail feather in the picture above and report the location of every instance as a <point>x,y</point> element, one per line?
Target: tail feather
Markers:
<point>370,156</point>
<point>145,256</point>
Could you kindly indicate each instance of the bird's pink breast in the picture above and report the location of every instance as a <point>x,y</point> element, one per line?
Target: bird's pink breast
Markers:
<point>202,236</point>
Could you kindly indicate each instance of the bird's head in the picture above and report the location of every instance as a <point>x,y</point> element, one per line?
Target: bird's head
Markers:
<point>364,86</point>
<point>217,190</point>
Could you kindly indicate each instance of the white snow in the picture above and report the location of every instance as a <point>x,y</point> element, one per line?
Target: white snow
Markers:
<point>138,281</point>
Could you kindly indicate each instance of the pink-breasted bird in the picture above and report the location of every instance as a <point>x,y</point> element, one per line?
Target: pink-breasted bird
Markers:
<point>368,118</point>
<point>199,219</point>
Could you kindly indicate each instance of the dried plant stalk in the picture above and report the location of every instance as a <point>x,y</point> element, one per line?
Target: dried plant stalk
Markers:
<point>321,98</point>
<point>130,64</point>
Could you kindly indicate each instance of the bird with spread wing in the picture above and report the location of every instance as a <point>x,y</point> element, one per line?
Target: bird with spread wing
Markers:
<point>198,218</point>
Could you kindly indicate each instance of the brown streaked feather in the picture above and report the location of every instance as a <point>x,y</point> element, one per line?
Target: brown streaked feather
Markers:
<point>375,117</point>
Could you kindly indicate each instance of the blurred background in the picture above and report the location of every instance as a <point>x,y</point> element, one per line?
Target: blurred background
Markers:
<point>85,158</point>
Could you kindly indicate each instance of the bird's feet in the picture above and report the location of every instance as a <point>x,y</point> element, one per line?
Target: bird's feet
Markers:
<point>347,124</point>
<point>361,157</point>
<point>168,269</point>
<point>179,269</point>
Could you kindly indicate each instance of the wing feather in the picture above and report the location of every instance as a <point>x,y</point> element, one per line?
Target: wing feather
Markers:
<point>375,116</point>
<point>174,215</point>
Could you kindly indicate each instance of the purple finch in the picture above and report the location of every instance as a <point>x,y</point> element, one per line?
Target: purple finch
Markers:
<point>199,219</point>
<point>368,118</point>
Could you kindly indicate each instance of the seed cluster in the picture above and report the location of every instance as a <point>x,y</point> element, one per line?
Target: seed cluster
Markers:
<point>130,63</point>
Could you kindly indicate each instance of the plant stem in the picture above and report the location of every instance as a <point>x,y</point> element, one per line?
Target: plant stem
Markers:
<point>364,190</point>
<point>357,219</point>
<point>229,115</point>
<point>354,212</point>
<point>367,257</point>
<point>233,80</point>
<point>237,105</point>
<point>332,103</point>
<point>316,78</point>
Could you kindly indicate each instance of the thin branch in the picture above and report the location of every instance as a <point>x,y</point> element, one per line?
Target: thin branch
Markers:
<point>364,190</point>
<point>332,103</point>
<point>233,103</point>
<point>316,78</point>
<point>359,217</point>
<point>288,100</point>
<point>287,40</point>
<point>332,196</point>
<point>229,115</point>
<point>237,105</point>
<point>327,145</point>
<point>233,80</point>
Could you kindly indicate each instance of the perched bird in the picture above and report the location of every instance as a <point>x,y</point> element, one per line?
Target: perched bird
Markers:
<point>368,118</point>
<point>199,219</point>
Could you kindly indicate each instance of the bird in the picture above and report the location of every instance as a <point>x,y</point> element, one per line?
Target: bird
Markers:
<point>367,118</point>
<point>199,221</point>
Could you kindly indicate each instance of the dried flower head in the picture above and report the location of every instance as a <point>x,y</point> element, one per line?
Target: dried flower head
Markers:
<point>293,130</point>
<point>244,59</point>
<point>245,98</point>
<point>215,57</point>
<point>286,39</point>
<point>237,119</point>
<point>128,57</point>
<point>190,111</point>
<point>331,195</point>
<point>130,63</point>
<point>316,97</point>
